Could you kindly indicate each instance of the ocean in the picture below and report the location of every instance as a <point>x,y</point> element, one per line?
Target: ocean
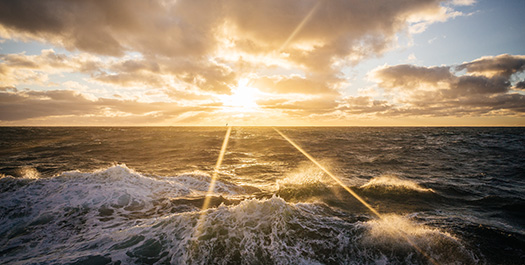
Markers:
<point>135,195</point>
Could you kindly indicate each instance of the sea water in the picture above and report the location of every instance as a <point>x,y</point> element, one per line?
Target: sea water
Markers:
<point>135,195</point>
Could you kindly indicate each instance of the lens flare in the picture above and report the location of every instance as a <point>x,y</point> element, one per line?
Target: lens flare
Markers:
<point>337,180</point>
<point>355,195</point>
<point>300,26</point>
<point>207,199</point>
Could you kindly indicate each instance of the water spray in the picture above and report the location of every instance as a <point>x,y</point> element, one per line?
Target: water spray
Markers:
<point>356,196</point>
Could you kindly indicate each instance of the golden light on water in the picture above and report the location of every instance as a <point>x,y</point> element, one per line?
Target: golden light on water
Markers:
<point>199,226</point>
<point>355,195</point>
<point>337,180</point>
<point>211,188</point>
<point>155,73</point>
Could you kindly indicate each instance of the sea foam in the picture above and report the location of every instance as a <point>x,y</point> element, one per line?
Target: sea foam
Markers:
<point>390,182</point>
<point>117,214</point>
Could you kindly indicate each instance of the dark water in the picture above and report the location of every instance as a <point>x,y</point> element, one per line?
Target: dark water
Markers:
<point>134,196</point>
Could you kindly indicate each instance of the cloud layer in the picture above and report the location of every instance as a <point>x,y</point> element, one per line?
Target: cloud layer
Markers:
<point>486,88</point>
<point>185,28</point>
<point>309,35</point>
<point>186,59</point>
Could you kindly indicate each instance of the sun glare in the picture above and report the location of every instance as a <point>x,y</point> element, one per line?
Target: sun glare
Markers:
<point>243,97</point>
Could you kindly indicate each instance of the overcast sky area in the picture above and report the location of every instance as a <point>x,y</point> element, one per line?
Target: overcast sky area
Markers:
<point>272,62</point>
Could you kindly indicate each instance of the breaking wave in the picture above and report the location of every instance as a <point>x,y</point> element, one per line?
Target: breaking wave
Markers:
<point>393,183</point>
<point>117,215</point>
<point>398,234</point>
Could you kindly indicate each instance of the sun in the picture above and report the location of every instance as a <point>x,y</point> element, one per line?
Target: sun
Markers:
<point>243,97</point>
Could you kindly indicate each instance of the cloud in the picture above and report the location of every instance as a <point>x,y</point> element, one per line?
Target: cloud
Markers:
<point>438,91</point>
<point>403,91</point>
<point>148,73</point>
<point>112,27</point>
<point>463,2</point>
<point>195,31</point>
<point>411,76</point>
<point>293,84</point>
<point>19,105</point>
<point>26,69</point>
<point>470,85</point>
<point>503,65</point>
<point>177,59</point>
<point>520,85</point>
<point>314,105</point>
<point>420,21</point>
<point>365,105</point>
<point>30,104</point>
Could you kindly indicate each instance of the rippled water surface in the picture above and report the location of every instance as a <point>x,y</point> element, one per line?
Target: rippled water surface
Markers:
<point>134,196</point>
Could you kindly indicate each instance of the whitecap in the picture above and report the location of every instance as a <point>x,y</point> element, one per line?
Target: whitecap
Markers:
<point>390,182</point>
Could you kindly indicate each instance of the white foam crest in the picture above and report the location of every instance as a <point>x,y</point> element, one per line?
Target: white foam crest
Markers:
<point>200,182</point>
<point>305,175</point>
<point>276,232</point>
<point>271,231</point>
<point>253,230</point>
<point>388,228</point>
<point>113,191</point>
<point>391,182</point>
<point>117,185</point>
<point>116,191</point>
<point>246,232</point>
<point>28,172</point>
<point>393,233</point>
<point>79,204</point>
<point>232,234</point>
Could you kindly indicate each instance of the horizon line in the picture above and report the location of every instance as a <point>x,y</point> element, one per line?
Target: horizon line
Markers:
<point>269,126</point>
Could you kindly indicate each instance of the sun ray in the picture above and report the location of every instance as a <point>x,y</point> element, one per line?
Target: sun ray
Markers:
<point>211,188</point>
<point>355,195</point>
<point>337,180</point>
<point>300,26</point>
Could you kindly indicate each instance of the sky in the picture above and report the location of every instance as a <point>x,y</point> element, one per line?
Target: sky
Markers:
<point>272,62</point>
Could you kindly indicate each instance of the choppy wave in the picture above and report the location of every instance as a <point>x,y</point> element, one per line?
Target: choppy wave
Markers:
<point>306,182</point>
<point>119,215</point>
<point>148,215</point>
<point>73,207</point>
<point>397,234</point>
<point>29,172</point>
<point>393,183</point>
